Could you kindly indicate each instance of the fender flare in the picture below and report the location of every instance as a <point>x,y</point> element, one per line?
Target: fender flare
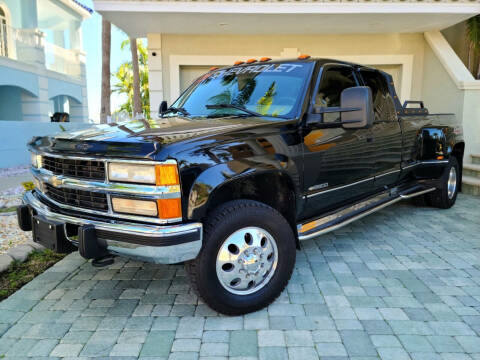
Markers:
<point>217,177</point>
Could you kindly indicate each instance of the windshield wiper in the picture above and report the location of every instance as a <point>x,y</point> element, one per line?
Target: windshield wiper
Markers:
<point>180,110</point>
<point>234,106</point>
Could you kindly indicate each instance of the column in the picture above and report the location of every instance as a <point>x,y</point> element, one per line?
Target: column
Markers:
<point>155,72</point>
<point>37,108</point>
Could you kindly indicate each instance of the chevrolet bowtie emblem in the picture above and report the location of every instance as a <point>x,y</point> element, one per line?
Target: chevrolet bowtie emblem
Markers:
<point>55,181</point>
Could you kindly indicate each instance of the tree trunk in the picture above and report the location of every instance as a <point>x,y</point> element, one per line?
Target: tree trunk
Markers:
<point>137,100</point>
<point>469,57</point>
<point>105,97</point>
<point>478,70</point>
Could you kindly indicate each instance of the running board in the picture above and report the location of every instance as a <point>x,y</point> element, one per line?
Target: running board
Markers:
<point>354,212</point>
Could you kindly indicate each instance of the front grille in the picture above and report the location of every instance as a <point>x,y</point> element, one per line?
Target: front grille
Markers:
<point>85,169</point>
<point>78,198</point>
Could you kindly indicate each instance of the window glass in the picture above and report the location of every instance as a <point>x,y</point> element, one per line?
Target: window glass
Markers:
<point>382,101</point>
<point>269,89</point>
<point>334,81</point>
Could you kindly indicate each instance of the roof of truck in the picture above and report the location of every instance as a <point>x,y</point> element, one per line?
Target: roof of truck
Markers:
<point>320,61</point>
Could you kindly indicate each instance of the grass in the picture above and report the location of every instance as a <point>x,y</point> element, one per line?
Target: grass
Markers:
<point>9,209</point>
<point>19,274</point>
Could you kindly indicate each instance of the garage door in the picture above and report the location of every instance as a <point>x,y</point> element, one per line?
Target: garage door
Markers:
<point>190,73</point>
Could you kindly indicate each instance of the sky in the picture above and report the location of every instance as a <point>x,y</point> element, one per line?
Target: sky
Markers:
<point>92,45</point>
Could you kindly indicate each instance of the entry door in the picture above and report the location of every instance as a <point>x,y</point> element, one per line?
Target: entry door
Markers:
<point>387,136</point>
<point>339,163</point>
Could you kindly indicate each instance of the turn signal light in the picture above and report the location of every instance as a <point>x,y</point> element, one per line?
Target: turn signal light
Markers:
<point>251,61</point>
<point>169,208</point>
<point>304,57</point>
<point>439,157</point>
<point>239,62</point>
<point>265,59</point>
<point>166,175</point>
<point>132,206</point>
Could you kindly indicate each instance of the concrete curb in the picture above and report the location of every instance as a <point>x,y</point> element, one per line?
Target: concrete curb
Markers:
<point>19,253</point>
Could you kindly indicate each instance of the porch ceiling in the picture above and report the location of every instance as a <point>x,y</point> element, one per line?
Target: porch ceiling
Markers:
<point>138,18</point>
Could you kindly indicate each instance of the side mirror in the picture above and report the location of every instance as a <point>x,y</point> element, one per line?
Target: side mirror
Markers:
<point>162,108</point>
<point>359,97</point>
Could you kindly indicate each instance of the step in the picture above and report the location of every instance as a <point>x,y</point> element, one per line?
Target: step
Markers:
<point>475,158</point>
<point>471,170</point>
<point>345,216</point>
<point>471,185</point>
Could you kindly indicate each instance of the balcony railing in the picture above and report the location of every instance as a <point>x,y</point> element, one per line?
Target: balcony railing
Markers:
<point>62,60</point>
<point>29,46</point>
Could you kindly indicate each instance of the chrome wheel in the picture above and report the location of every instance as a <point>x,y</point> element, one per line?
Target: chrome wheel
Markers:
<point>247,260</point>
<point>452,182</point>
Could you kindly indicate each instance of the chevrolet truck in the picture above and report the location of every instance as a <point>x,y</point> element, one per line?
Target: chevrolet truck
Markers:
<point>249,161</point>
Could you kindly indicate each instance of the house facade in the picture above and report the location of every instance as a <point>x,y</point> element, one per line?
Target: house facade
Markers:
<point>420,43</point>
<point>42,65</point>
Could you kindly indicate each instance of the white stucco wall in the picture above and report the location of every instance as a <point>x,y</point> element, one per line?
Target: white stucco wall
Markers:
<point>245,46</point>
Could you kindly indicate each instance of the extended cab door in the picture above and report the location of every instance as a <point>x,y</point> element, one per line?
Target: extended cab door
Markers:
<point>387,135</point>
<point>339,163</point>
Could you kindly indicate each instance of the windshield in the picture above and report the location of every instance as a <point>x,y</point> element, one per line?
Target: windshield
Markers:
<point>267,89</point>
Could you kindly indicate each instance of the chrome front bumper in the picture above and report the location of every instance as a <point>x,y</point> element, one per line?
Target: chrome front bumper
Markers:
<point>161,244</point>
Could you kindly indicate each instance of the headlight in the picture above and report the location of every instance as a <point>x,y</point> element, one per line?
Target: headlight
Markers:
<point>135,173</point>
<point>163,175</point>
<point>131,206</point>
<point>36,160</point>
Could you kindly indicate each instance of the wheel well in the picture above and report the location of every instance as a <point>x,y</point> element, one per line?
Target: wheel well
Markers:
<point>458,151</point>
<point>274,190</point>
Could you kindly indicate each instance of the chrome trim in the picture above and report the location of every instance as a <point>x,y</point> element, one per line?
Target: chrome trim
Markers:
<point>111,213</point>
<point>109,159</point>
<point>158,192</point>
<point>410,166</point>
<point>423,162</point>
<point>140,191</point>
<point>426,162</point>
<point>173,254</point>
<point>418,193</point>
<point>338,187</point>
<point>354,218</point>
<point>387,173</point>
<point>127,228</point>
<point>157,254</point>
<point>434,162</point>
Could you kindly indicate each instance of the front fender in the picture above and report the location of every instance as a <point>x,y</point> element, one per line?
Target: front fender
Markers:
<point>260,180</point>
<point>203,187</point>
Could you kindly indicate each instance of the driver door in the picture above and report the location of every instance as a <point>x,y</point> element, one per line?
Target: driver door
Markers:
<point>339,163</point>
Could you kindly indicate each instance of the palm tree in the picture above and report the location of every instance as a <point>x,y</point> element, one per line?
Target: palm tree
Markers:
<point>124,82</point>
<point>137,100</point>
<point>473,39</point>
<point>105,97</point>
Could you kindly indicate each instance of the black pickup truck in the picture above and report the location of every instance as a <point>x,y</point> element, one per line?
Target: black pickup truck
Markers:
<point>248,161</point>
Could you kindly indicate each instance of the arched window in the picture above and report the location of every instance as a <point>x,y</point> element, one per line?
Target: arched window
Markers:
<point>3,33</point>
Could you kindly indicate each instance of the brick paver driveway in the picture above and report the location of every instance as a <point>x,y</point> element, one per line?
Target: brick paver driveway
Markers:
<point>403,283</point>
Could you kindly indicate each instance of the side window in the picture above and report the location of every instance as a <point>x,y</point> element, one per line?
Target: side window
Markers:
<point>382,101</point>
<point>334,80</point>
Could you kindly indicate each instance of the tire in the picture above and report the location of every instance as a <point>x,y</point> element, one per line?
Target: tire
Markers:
<point>446,195</point>
<point>266,244</point>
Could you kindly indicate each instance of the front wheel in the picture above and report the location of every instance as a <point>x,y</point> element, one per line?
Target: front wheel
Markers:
<point>247,257</point>
<point>446,196</point>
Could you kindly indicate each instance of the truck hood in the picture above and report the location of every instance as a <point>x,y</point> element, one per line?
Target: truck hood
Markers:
<point>142,138</point>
